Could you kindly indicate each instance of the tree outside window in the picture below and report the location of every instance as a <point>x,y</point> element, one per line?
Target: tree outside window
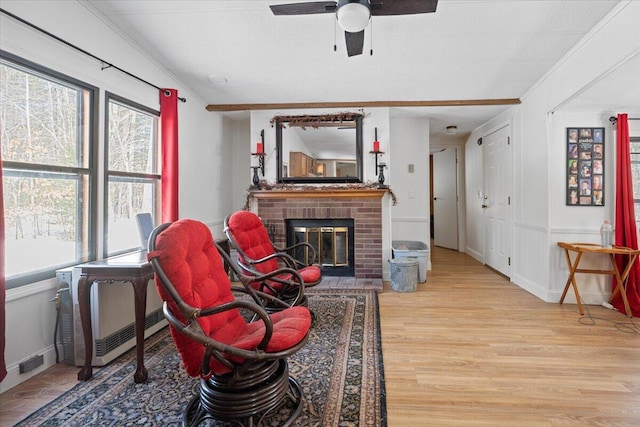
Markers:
<point>133,181</point>
<point>46,164</point>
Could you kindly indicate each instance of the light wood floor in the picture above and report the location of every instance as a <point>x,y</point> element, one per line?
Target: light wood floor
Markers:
<point>471,349</point>
<point>468,348</point>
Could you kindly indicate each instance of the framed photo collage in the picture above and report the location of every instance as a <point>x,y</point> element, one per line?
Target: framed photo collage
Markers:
<point>585,166</point>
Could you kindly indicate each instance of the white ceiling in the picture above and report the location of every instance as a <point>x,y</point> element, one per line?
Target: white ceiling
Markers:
<point>466,50</point>
<point>618,91</point>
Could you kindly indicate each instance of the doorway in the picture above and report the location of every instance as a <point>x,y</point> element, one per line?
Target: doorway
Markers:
<point>444,198</point>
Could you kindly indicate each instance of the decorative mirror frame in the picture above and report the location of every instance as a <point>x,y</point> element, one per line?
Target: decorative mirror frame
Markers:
<point>315,121</point>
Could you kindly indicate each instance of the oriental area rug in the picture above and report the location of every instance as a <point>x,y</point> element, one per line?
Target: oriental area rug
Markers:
<point>340,370</point>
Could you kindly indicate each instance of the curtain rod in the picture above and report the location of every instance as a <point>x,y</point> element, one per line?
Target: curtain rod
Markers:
<point>614,119</point>
<point>106,64</point>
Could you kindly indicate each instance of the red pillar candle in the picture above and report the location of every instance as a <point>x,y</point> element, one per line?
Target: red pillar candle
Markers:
<point>260,148</point>
<point>376,146</point>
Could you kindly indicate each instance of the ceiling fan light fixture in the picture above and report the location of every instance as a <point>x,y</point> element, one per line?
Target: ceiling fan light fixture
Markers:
<point>452,130</point>
<point>353,16</point>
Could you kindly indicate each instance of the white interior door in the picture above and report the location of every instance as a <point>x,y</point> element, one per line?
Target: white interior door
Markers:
<point>497,200</point>
<point>445,199</point>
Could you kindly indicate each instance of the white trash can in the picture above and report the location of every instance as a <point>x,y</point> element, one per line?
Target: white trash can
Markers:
<point>413,249</point>
<point>404,274</point>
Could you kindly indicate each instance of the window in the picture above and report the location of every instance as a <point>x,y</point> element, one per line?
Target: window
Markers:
<point>133,181</point>
<point>47,161</point>
<point>635,173</point>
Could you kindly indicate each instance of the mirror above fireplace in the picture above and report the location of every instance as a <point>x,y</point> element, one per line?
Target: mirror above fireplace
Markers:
<point>319,149</point>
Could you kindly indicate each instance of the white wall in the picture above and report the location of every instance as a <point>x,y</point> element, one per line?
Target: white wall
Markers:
<point>203,140</point>
<point>411,216</point>
<point>540,216</point>
<point>241,173</point>
<point>578,223</point>
<point>474,190</point>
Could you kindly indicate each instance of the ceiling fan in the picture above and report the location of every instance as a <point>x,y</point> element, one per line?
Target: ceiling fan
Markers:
<point>353,15</point>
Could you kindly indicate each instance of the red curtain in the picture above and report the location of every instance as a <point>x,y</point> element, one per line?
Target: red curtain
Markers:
<point>169,141</point>
<point>3,366</point>
<point>625,224</point>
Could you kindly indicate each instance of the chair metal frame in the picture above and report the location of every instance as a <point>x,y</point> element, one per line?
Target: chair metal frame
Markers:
<point>285,262</point>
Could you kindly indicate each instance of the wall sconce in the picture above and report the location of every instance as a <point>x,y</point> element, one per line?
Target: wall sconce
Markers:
<point>376,149</point>
<point>260,154</point>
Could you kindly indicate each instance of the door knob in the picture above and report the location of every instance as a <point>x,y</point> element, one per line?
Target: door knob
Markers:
<point>485,206</point>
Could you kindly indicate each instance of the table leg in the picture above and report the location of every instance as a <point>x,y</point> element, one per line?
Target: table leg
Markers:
<point>140,306</point>
<point>84,303</point>
<point>572,280</point>
<point>620,281</point>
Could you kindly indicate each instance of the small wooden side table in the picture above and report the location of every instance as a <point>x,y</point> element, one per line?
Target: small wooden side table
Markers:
<point>582,248</point>
<point>133,268</point>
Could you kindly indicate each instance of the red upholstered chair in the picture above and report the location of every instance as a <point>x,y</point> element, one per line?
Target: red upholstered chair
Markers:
<point>257,255</point>
<point>242,365</point>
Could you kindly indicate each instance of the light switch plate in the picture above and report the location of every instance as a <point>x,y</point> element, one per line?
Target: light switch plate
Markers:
<point>410,168</point>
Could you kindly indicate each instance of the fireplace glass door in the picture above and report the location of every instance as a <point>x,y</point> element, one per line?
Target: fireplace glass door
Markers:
<point>333,245</point>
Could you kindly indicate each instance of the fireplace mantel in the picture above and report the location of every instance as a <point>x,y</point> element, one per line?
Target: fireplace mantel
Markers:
<point>318,193</point>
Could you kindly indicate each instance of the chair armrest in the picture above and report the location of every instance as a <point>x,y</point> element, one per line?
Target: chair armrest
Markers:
<point>192,329</point>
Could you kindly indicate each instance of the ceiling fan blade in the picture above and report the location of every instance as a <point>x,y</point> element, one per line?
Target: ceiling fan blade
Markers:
<point>355,42</point>
<point>304,8</point>
<point>402,7</point>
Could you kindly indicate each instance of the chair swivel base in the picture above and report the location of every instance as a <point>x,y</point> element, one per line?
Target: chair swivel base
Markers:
<point>247,400</point>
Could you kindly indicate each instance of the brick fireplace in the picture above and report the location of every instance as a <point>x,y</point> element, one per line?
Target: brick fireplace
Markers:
<point>364,206</point>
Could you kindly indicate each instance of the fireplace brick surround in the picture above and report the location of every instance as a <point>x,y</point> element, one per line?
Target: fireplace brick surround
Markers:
<point>363,206</point>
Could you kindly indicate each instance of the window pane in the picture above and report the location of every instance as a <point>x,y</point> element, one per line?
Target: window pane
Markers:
<point>126,199</point>
<point>39,119</point>
<point>131,140</point>
<point>635,174</point>
<point>46,123</point>
<point>45,219</point>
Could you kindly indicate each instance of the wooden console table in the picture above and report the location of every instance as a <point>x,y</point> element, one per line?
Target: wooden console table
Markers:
<point>582,248</point>
<point>133,268</point>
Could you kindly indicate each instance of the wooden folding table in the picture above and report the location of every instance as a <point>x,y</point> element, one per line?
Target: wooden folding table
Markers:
<point>582,248</point>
